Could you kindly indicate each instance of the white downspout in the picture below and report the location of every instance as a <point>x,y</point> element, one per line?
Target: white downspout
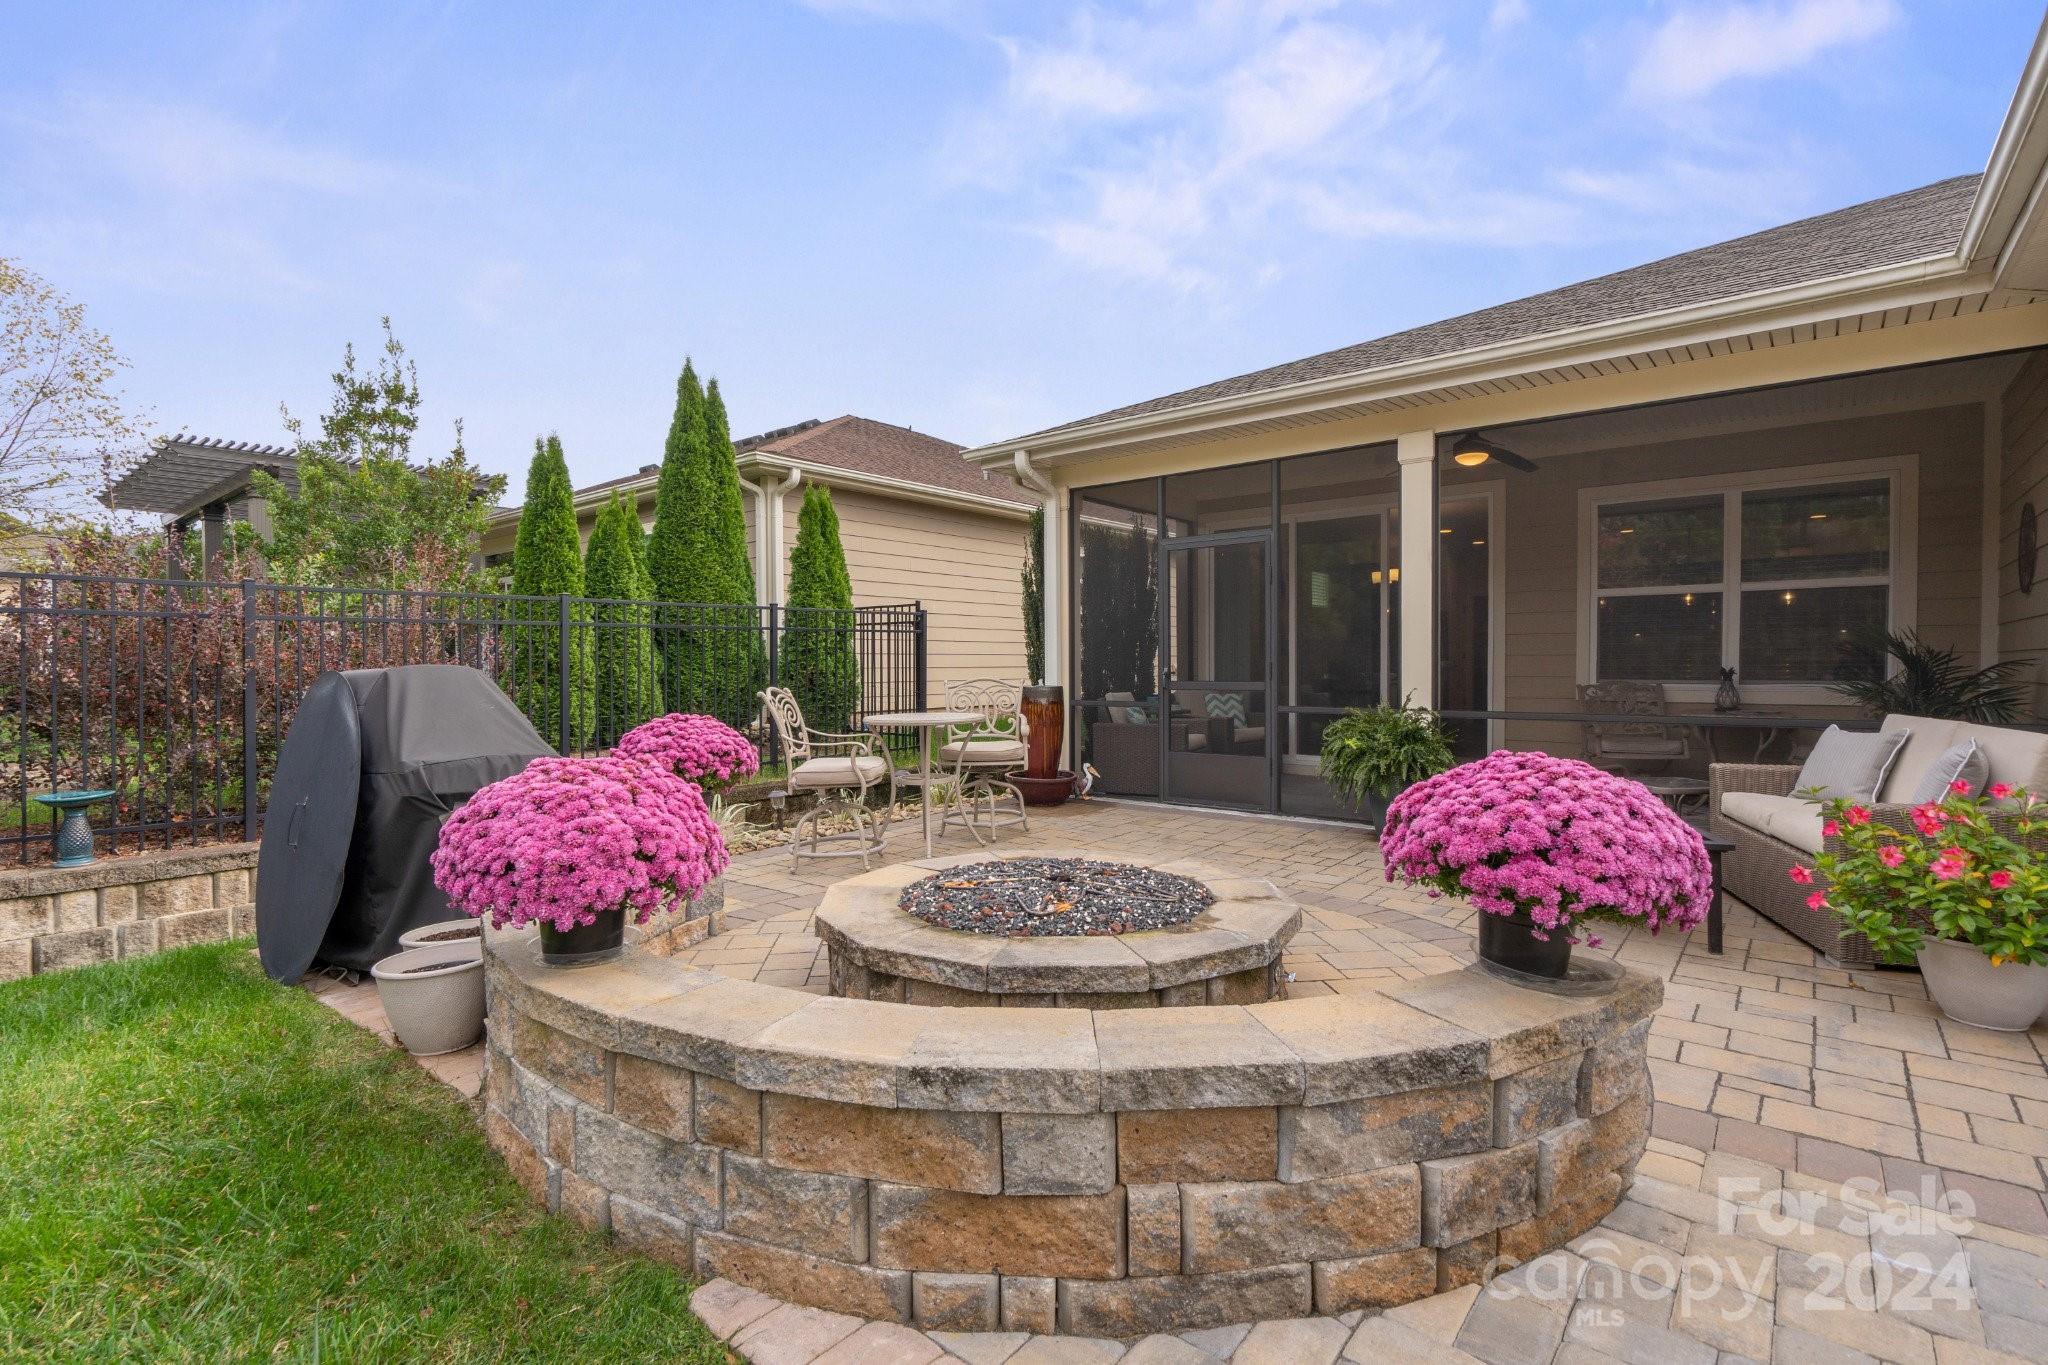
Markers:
<point>1054,566</point>
<point>760,493</point>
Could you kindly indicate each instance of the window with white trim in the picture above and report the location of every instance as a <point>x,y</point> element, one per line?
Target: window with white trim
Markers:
<point>1782,584</point>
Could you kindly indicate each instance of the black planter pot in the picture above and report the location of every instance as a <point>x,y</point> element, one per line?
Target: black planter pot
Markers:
<point>1510,941</point>
<point>586,943</point>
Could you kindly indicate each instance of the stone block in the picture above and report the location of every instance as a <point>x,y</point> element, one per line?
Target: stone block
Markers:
<point>1193,1059</point>
<point>934,993</point>
<point>1027,1002</point>
<point>643,1231</point>
<point>136,938</point>
<point>1372,1283</point>
<point>1534,1100</point>
<point>1360,1043</point>
<point>25,916</point>
<point>242,921</point>
<point>1616,1071</point>
<point>1078,1235</point>
<point>825,1215</point>
<point>1187,993</point>
<point>1253,986</point>
<point>1197,1145</point>
<point>833,1285</point>
<point>523,1098</point>
<point>562,1134</point>
<point>728,1115</point>
<point>118,904</point>
<point>1173,1303</point>
<point>232,887</point>
<point>176,896</point>
<point>1006,1061</point>
<point>1466,1262</point>
<point>849,979</point>
<point>679,1179</point>
<point>77,909</point>
<point>955,1303</point>
<point>583,1069</point>
<point>1029,1304</point>
<point>1059,1153</point>
<point>17,959</point>
<point>1466,1196</point>
<point>653,1095</point>
<point>1265,1223</point>
<point>1107,1000</point>
<point>1530,1238</point>
<point>196,926</point>
<point>79,948</point>
<point>1152,1229</point>
<point>886,988</point>
<point>1523,1028</point>
<point>1572,1158</point>
<point>1323,1140</point>
<point>527,1165</point>
<point>584,1202</point>
<point>848,1050</point>
<point>921,1146</point>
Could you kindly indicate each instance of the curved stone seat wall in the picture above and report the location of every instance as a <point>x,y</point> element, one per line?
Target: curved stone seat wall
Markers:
<point>1103,1173</point>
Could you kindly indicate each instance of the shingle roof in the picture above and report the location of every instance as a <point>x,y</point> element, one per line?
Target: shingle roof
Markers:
<point>865,446</point>
<point>1882,232</point>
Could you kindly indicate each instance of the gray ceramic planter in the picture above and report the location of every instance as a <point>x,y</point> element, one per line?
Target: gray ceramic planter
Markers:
<point>1970,990</point>
<point>470,931</point>
<point>434,997</point>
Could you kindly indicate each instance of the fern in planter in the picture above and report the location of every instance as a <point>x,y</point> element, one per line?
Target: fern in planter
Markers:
<point>1933,682</point>
<point>1373,755</point>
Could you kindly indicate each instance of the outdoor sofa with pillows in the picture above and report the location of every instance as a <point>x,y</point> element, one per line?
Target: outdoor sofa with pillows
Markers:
<point>1910,759</point>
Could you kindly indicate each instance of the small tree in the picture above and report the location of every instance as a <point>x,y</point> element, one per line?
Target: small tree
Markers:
<point>744,658</point>
<point>1034,597</point>
<point>614,574</point>
<point>364,515</point>
<point>547,562</point>
<point>678,558</point>
<point>819,662</point>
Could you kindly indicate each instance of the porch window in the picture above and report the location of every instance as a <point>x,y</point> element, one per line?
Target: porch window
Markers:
<point>1783,584</point>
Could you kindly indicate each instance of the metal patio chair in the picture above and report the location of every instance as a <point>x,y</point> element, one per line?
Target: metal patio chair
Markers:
<point>841,768</point>
<point>982,756</point>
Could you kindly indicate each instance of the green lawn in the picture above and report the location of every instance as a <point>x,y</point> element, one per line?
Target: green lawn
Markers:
<point>196,1164</point>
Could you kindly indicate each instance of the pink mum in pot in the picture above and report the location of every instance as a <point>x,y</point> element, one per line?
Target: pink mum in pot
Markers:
<point>1553,836</point>
<point>569,838</point>
<point>699,749</point>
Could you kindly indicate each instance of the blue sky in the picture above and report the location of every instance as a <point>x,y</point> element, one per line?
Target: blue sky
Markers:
<point>971,217</point>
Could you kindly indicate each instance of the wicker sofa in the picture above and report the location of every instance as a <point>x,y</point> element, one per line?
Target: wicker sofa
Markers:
<point>1753,807</point>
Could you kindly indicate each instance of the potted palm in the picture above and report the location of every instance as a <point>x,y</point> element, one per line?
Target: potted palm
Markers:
<point>1373,755</point>
<point>574,845</point>
<point>1962,895</point>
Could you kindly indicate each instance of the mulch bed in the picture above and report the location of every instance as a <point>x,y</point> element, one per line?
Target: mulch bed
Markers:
<point>1055,897</point>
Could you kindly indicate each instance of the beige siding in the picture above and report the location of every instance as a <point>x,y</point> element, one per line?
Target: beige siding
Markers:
<point>2023,431</point>
<point>1542,532</point>
<point>964,566</point>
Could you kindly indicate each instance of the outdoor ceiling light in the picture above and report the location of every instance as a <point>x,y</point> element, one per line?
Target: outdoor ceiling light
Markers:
<point>1471,450</point>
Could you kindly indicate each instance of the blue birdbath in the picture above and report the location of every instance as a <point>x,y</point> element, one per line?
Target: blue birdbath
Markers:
<point>74,836</point>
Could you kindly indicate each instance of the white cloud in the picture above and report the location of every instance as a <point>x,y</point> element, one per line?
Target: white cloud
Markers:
<point>195,151</point>
<point>1700,48</point>
<point>1506,14</point>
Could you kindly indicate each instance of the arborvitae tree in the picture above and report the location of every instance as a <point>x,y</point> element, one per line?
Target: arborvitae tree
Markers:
<point>547,561</point>
<point>1034,597</point>
<point>819,661</point>
<point>614,574</point>
<point>743,657</point>
<point>682,564</point>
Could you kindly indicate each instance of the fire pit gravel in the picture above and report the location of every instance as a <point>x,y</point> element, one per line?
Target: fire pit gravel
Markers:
<point>1055,897</point>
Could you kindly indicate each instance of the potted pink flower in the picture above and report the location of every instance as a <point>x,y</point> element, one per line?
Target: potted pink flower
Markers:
<point>1963,895</point>
<point>699,749</point>
<point>1540,844</point>
<point>574,845</point>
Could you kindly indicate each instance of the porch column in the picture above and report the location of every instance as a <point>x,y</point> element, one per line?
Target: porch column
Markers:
<point>1416,453</point>
<point>1054,569</point>
<point>213,534</point>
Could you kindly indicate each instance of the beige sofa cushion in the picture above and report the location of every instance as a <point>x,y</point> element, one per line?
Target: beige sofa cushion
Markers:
<point>2016,756</point>
<point>1785,818</point>
<point>1926,740</point>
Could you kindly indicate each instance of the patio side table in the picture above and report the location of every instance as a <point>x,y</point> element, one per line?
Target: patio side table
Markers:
<point>924,722</point>
<point>1716,846</point>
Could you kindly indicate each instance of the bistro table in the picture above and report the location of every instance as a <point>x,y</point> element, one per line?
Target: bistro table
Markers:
<point>1716,846</point>
<point>924,722</point>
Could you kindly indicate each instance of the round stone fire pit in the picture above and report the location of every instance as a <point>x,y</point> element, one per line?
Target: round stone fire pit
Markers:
<point>1056,929</point>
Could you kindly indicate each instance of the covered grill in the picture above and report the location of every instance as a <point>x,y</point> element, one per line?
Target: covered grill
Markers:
<point>374,761</point>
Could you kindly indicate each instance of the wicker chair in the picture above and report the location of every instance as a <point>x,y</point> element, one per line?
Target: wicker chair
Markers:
<point>983,755</point>
<point>1771,836</point>
<point>841,768</point>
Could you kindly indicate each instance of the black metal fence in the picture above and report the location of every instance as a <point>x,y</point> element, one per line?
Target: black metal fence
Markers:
<point>176,695</point>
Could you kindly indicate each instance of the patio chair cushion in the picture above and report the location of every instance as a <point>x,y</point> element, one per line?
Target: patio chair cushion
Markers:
<point>839,772</point>
<point>990,751</point>
<point>1785,818</point>
<point>1963,762</point>
<point>1926,740</point>
<point>2016,756</point>
<point>1850,765</point>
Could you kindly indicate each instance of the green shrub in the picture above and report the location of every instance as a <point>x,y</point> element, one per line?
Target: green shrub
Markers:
<point>1372,755</point>
<point>547,561</point>
<point>819,662</point>
<point>627,688</point>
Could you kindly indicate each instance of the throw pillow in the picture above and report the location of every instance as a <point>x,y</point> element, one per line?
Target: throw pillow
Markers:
<point>1225,704</point>
<point>1849,765</point>
<point>1963,762</point>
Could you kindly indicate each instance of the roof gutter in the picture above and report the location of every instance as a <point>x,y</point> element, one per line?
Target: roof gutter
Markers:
<point>1903,284</point>
<point>835,476</point>
<point>2010,192</point>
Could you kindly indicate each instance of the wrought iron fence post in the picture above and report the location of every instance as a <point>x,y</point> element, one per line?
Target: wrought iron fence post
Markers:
<point>774,674</point>
<point>563,664</point>
<point>248,709</point>
<point>923,668</point>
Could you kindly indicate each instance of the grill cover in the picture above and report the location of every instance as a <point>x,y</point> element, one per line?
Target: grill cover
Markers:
<point>343,869</point>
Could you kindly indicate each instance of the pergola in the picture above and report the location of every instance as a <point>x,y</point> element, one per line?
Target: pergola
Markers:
<point>203,478</point>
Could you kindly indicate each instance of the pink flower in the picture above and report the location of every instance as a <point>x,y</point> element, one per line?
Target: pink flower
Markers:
<point>1802,875</point>
<point>699,749</point>
<point>1857,815</point>
<point>2000,790</point>
<point>2000,880</point>
<point>1952,863</point>
<point>1829,829</point>
<point>1928,819</point>
<point>1817,901</point>
<point>1960,787</point>
<point>1891,855</point>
